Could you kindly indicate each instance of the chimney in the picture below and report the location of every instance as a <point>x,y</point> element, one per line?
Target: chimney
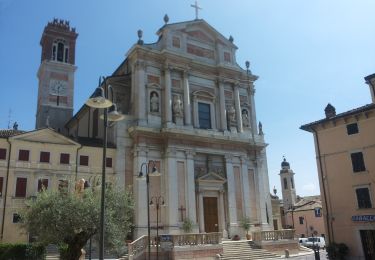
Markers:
<point>330,111</point>
<point>370,80</point>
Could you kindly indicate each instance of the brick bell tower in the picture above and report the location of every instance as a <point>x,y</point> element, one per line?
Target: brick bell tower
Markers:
<point>56,76</point>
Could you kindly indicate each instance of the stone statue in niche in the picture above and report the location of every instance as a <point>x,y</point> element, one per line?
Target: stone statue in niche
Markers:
<point>177,106</point>
<point>245,118</point>
<point>154,102</point>
<point>232,114</point>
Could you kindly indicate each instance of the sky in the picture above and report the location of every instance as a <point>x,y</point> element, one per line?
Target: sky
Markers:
<point>306,53</point>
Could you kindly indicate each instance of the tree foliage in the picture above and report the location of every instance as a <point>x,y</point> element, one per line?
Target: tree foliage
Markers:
<point>71,218</point>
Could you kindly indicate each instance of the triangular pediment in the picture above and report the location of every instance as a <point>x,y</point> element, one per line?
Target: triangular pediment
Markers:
<point>211,177</point>
<point>199,30</point>
<point>45,135</point>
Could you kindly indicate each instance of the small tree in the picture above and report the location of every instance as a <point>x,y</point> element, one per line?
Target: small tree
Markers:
<point>245,225</point>
<point>187,225</point>
<point>72,219</point>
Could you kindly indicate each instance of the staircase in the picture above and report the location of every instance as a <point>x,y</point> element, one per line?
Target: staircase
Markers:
<point>244,250</point>
<point>52,252</point>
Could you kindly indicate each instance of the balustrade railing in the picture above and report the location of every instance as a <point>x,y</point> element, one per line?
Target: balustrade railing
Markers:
<point>274,235</point>
<point>139,246</point>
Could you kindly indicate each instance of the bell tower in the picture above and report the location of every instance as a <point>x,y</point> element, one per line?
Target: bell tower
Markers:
<point>56,75</point>
<point>287,185</point>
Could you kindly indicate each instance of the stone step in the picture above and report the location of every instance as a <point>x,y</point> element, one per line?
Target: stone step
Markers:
<point>245,250</point>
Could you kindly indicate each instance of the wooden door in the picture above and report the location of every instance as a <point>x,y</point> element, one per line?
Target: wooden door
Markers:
<point>211,220</point>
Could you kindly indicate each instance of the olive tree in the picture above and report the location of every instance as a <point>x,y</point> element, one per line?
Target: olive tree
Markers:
<point>73,218</point>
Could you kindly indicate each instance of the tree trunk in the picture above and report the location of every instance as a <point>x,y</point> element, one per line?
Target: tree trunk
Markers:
<point>75,245</point>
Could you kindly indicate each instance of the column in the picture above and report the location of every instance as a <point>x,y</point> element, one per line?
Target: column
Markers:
<point>245,186</point>
<point>187,108</point>
<point>238,108</point>
<point>231,194</point>
<point>191,204</point>
<point>171,185</point>
<point>141,92</point>
<point>222,214</point>
<point>253,116</point>
<point>141,204</point>
<point>263,172</point>
<point>167,96</point>
<point>201,212</point>
<point>223,118</point>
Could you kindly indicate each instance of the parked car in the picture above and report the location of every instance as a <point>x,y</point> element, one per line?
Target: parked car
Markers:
<point>302,241</point>
<point>316,242</point>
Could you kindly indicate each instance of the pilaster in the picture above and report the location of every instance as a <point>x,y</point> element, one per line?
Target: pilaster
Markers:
<point>231,195</point>
<point>172,191</point>
<point>187,106</point>
<point>140,112</point>
<point>167,96</point>
<point>223,119</point>
<point>245,186</point>
<point>201,212</point>
<point>191,210</point>
<point>238,108</point>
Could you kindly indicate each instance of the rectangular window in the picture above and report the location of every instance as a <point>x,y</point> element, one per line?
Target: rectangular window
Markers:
<point>16,218</point>
<point>318,212</point>
<point>352,129</point>
<point>357,162</point>
<point>227,56</point>
<point>108,162</point>
<point>44,157</point>
<point>21,185</point>
<point>363,198</point>
<point>42,184</point>
<point>285,183</point>
<point>64,158</point>
<point>23,155</point>
<point>301,220</point>
<point>84,160</point>
<point>3,153</point>
<point>204,113</point>
<point>1,186</point>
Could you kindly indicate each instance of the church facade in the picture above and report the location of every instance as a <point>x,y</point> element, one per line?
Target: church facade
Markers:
<point>190,111</point>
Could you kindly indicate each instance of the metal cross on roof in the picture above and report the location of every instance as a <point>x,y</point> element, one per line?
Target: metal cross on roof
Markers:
<point>196,9</point>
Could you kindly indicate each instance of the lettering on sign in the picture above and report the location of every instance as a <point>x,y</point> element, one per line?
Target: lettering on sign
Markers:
<point>363,218</point>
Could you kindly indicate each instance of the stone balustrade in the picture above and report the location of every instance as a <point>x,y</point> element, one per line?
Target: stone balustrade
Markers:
<point>273,235</point>
<point>139,246</point>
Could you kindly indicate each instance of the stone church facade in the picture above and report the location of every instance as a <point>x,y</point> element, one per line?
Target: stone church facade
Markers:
<point>190,110</point>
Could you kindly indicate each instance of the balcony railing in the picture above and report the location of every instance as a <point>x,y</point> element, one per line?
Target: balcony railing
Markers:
<point>286,234</point>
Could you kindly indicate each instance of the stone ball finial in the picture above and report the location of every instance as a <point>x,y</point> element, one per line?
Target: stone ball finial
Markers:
<point>231,38</point>
<point>140,34</point>
<point>274,190</point>
<point>166,18</point>
<point>247,63</point>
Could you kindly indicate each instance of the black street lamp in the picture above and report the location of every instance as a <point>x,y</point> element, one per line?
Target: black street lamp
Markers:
<point>159,200</point>
<point>154,173</point>
<point>100,100</point>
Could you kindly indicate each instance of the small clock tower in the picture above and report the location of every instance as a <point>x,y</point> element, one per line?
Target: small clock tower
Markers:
<point>56,76</point>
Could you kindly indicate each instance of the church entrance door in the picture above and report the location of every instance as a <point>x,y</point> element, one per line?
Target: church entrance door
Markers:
<point>211,222</point>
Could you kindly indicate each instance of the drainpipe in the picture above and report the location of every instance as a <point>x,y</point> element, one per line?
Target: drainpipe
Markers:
<point>79,148</point>
<point>329,227</point>
<point>6,190</point>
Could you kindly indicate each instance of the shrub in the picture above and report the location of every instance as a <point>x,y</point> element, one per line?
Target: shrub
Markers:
<point>21,251</point>
<point>337,251</point>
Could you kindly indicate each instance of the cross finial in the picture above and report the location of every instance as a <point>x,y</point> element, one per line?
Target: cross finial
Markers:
<point>196,9</point>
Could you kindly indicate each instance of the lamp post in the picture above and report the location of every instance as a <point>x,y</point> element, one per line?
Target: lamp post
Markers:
<point>154,172</point>
<point>159,200</point>
<point>100,100</point>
